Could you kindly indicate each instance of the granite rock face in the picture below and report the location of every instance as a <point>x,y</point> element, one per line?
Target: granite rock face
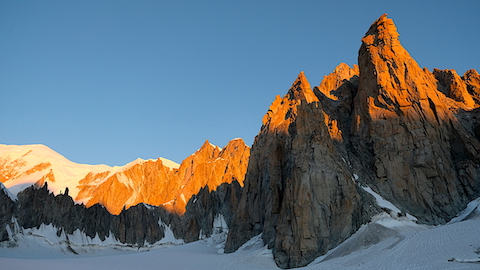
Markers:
<point>203,210</point>
<point>409,134</point>
<point>7,208</point>
<point>36,206</point>
<point>472,80</point>
<point>419,155</point>
<point>298,190</point>
<point>136,226</point>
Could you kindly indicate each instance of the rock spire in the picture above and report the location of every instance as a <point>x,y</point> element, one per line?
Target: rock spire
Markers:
<point>407,133</point>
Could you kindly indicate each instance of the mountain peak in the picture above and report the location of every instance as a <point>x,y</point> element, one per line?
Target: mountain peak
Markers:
<point>382,31</point>
<point>391,81</point>
<point>301,89</point>
<point>283,109</point>
<point>331,85</point>
<point>209,149</point>
<point>207,144</point>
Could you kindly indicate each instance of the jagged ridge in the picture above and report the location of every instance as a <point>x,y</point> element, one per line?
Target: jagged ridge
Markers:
<point>141,181</point>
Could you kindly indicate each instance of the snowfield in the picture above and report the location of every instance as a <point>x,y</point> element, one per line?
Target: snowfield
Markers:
<point>385,243</point>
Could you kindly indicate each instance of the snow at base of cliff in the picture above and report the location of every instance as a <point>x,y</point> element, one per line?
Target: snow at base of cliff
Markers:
<point>385,243</point>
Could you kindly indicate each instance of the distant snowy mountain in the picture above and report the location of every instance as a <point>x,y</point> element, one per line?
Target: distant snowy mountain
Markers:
<point>24,165</point>
<point>154,182</point>
<point>142,204</point>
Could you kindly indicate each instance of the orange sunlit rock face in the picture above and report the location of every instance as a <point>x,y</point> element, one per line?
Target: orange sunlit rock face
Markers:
<point>336,92</point>
<point>298,192</point>
<point>408,119</point>
<point>142,181</point>
<point>153,183</point>
<point>210,166</point>
<point>408,133</point>
<point>283,110</point>
<point>333,130</point>
<point>331,85</point>
<point>472,80</point>
<point>10,169</point>
<point>49,177</point>
<point>450,84</point>
<point>393,84</point>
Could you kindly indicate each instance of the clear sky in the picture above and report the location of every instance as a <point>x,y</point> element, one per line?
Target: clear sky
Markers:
<point>110,81</point>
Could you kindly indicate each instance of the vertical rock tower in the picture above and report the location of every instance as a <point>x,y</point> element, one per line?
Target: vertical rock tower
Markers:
<point>406,130</point>
<point>298,189</point>
<point>409,134</point>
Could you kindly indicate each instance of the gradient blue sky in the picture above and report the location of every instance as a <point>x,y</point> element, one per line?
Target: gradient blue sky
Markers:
<point>111,81</point>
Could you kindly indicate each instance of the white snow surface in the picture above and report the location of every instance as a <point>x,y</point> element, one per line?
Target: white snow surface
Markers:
<point>385,243</point>
<point>471,209</point>
<point>169,163</point>
<point>22,159</point>
<point>384,203</point>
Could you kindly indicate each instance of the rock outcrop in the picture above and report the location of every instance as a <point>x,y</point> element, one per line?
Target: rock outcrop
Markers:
<point>451,85</point>
<point>209,167</point>
<point>136,226</point>
<point>408,133</point>
<point>7,208</point>
<point>298,190</point>
<point>413,150</point>
<point>203,210</point>
<point>472,80</point>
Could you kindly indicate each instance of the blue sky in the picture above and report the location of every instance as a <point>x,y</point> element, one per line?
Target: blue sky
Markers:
<point>111,81</point>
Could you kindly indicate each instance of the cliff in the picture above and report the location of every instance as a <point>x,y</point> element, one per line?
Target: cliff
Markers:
<point>407,133</point>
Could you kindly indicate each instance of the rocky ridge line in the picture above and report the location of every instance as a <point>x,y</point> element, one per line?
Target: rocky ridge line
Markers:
<point>150,181</point>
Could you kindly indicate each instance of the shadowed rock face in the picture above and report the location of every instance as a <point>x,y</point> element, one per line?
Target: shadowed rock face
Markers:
<point>202,209</point>
<point>7,208</point>
<point>136,226</point>
<point>408,133</point>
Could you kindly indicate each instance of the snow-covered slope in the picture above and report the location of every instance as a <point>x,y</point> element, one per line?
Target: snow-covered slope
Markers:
<point>155,182</point>
<point>24,165</point>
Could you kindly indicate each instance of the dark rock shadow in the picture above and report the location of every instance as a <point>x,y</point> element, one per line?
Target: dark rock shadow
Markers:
<point>136,226</point>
